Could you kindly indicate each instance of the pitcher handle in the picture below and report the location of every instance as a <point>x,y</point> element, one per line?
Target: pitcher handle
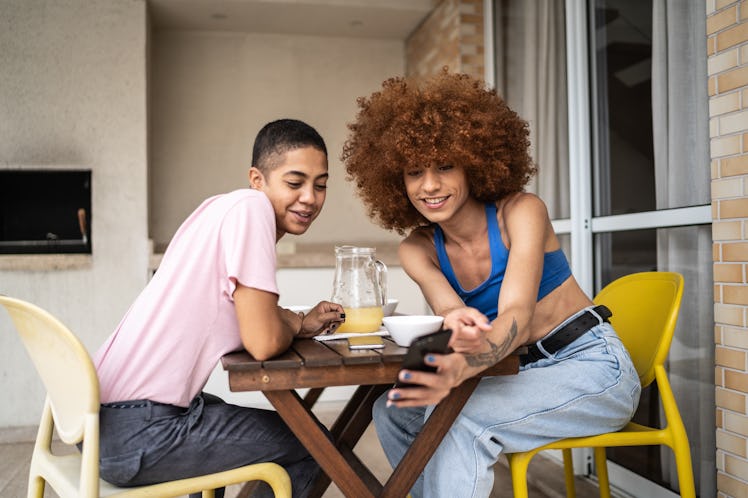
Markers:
<point>382,279</point>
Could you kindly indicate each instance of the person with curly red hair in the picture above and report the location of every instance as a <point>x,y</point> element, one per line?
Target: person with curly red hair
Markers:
<point>446,161</point>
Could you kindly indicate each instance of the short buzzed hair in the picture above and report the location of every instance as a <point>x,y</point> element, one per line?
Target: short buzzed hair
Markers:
<point>280,136</point>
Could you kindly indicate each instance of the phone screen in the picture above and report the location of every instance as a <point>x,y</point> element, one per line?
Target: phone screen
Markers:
<point>436,342</point>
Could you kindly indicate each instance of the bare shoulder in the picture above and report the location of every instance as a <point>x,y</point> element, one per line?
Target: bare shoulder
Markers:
<point>525,217</point>
<point>417,248</point>
<point>419,238</point>
<point>524,204</point>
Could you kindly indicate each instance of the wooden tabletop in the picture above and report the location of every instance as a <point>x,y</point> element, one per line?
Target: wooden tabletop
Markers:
<point>316,365</point>
<point>311,363</point>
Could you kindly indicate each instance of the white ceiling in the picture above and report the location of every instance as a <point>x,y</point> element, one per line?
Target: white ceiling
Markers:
<point>347,18</point>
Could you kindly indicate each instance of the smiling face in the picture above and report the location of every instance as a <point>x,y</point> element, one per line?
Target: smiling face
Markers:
<point>296,187</point>
<point>437,192</point>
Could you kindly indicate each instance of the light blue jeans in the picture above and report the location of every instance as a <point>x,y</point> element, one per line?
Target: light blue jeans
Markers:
<point>588,387</point>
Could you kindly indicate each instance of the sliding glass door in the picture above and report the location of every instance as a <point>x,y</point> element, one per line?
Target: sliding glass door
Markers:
<point>650,177</point>
<point>618,120</point>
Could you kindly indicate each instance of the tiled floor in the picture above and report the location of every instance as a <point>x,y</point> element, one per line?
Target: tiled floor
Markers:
<point>14,459</point>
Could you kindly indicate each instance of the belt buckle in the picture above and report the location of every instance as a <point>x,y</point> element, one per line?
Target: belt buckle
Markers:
<point>540,349</point>
<point>600,319</point>
<point>581,316</point>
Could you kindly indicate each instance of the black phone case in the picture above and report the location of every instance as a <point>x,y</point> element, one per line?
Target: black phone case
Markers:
<point>435,342</point>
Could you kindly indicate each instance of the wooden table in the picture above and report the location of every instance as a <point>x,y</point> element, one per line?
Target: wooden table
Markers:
<point>316,365</point>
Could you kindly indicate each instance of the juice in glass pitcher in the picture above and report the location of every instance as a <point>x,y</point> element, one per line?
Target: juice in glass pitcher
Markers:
<point>360,286</point>
<point>361,319</point>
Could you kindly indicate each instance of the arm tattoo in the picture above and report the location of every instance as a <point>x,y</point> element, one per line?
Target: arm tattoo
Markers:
<point>497,351</point>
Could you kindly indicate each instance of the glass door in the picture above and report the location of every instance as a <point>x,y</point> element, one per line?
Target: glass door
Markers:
<point>640,222</point>
<point>624,192</point>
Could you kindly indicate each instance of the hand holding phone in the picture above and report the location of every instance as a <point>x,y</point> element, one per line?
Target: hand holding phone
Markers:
<point>436,342</point>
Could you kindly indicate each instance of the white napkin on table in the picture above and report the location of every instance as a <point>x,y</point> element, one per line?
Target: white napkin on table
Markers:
<point>331,337</point>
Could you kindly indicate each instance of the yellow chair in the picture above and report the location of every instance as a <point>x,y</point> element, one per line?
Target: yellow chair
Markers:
<point>645,308</point>
<point>72,408</point>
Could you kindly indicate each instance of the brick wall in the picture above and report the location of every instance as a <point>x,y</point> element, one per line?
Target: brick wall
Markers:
<point>727,51</point>
<point>452,36</point>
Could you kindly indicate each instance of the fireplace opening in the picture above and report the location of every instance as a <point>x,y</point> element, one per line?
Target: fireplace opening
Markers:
<point>45,211</point>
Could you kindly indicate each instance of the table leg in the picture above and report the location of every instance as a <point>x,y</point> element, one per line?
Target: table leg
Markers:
<point>425,444</point>
<point>304,424</point>
<point>356,416</point>
<point>348,428</point>
<point>312,396</point>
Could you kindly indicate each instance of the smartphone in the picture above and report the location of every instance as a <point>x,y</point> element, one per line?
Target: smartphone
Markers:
<point>435,342</point>
<point>366,342</point>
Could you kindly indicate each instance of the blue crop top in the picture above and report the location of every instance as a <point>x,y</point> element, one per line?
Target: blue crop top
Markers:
<point>485,297</point>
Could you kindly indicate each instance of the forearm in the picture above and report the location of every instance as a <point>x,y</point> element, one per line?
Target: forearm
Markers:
<point>500,344</point>
<point>508,332</point>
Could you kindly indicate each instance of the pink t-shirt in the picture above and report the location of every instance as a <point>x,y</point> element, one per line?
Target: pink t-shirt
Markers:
<point>171,338</point>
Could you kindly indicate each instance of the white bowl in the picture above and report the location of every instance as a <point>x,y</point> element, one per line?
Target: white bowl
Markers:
<point>300,307</point>
<point>405,328</point>
<point>389,308</point>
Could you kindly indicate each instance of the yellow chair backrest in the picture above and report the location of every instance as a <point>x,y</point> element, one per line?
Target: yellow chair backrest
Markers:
<point>645,308</point>
<point>72,408</point>
<point>63,364</point>
<point>637,301</point>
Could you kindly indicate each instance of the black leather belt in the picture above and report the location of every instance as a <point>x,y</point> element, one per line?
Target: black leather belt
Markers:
<point>567,334</point>
<point>156,409</point>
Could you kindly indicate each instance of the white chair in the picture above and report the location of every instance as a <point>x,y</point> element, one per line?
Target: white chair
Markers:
<point>72,408</point>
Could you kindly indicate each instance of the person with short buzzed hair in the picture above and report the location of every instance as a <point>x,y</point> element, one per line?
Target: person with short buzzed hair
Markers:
<point>215,292</point>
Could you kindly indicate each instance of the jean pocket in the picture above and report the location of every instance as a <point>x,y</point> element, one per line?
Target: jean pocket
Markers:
<point>121,469</point>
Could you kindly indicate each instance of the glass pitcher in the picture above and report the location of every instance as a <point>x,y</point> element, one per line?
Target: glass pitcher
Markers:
<point>360,286</point>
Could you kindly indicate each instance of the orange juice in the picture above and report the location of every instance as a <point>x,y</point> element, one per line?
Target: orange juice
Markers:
<point>362,319</point>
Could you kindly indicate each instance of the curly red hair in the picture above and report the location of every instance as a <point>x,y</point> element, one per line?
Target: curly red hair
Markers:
<point>447,119</point>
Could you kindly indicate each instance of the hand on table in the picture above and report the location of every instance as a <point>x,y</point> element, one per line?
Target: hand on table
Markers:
<point>324,318</point>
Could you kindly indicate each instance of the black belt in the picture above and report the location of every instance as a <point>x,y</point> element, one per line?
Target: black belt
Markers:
<point>156,409</point>
<point>567,334</point>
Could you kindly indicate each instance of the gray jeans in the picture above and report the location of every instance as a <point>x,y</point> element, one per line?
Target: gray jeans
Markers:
<point>143,442</point>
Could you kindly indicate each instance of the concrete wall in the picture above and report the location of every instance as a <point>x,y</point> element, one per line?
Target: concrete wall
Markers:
<point>213,91</point>
<point>73,94</point>
<point>77,91</point>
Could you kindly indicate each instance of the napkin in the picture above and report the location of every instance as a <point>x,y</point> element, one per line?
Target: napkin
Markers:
<point>332,337</point>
